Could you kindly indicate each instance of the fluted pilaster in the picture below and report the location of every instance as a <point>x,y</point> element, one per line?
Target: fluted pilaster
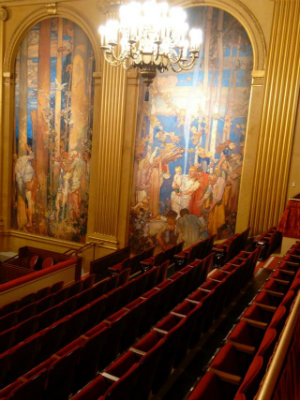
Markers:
<point>278,117</point>
<point>3,17</point>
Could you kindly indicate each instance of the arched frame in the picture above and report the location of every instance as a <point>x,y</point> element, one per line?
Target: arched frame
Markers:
<point>258,41</point>
<point>48,11</point>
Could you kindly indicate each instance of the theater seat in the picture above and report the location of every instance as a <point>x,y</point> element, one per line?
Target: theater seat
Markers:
<point>93,390</point>
<point>250,383</point>
<point>246,336</point>
<point>123,374</point>
<point>231,361</point>
<point>47,262</point>
<point>212,387</point>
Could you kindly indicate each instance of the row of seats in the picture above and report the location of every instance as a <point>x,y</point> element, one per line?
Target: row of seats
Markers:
<point>238,368</point>
<point>69,318</point>
<point>269,241</point>
<point>162,256</point>
<point>197,251</point>
<point>29,298</point>
<point>228,249</point>
<point>147,364</point>
<point>102,342</point>
<point>38,312</point>
<point>144,261</point>
<point>100,266</point>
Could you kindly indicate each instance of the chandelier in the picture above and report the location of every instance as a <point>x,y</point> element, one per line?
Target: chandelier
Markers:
<point>151,37</point>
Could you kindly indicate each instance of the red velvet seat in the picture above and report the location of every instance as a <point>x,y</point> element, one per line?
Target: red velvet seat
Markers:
<point>258,315</point>
<point>77,324</point>
<point>271,300</point>
<point>60,380</point>
<point>56,286</point>
<point>275,286</point>
<point>231,360</point>
<point>173,327</point>
<point>267,344</point>
<point>278,318</point>
<point>117,323</point>
<point>52,338</point>
<point>207,298</point>
<point>195,318</point>
<point>246,336</point>
<point>219,290</point>
<point>288,299</point>
<point>47,262</point>
<point>99,288</point>
<point>33,262</point>
<point>91,357</point>
<point>212,387</point>
<point>93,390</point>
<point>250,383</point>
<point>283,276</point>
<point>8,320</point>
<point>162,271</point>
<point>23,356</point>
<point>32,387</point>
<point>123,374</point>
<point>152,345</point>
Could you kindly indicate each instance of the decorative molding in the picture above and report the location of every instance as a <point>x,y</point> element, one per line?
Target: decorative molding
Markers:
<point>8,78</point>
<point>245,16</point>
<point>41,239</point>
<point>3,14</point>
<point>51,8</point>
<point>109,6</point>
<point>41,14</point>
<point>106,241</point>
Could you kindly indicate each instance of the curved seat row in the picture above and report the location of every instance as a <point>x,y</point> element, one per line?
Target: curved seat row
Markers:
<point>269,241</point>
<point>110,331</point>
<point>228,249</point>
<point>146,365</point>
<point>239,366</point>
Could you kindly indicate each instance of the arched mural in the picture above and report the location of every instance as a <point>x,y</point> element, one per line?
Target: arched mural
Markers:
<point>53,130</point>
<point>190,140</point>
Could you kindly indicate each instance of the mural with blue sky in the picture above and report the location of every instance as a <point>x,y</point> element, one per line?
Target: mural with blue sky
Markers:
<point>190,139</point>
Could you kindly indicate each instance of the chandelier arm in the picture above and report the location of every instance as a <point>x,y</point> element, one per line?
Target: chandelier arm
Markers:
<point>110,59</point>
<point>174,57</point>
<point>127,64</point>
<point>186,65</point>
<point>175,67</point>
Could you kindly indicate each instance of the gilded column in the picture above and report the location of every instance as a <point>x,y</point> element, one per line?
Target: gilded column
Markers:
<point>278,117</point>
<point>114,156</point>
<point>110,151</point>
<point>251,146</point>
<point>3,17</point>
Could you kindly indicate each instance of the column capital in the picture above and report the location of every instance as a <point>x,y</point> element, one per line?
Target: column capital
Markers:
<point>3,14</point>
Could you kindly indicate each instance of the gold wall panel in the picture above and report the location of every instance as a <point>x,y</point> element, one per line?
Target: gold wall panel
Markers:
<point>3,16</point>
<point>278,117</point>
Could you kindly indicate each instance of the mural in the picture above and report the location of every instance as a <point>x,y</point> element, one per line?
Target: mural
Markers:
<point>53,130</point>
<point>190,140</point>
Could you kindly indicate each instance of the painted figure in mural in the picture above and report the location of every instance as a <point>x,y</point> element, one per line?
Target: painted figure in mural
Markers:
<point>57,107</point>
<point>144,171</point>
<point>61,199</point>
<point>213,197</point>
<point>25,174</point>
<point>188,227</point>
<point>190,184</point>
<point>77,170</point>
<point>199,117</point>
<point>176,186</point>
<point>168,236</point>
